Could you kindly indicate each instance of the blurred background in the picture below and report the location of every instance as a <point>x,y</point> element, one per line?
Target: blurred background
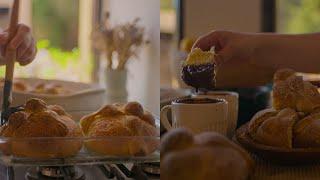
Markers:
<point>63,30</point>
<point>189,19</point>
<point>183,21</point>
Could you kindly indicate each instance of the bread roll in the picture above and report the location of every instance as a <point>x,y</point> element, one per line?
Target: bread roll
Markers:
<point>123,129</point>
<point>30,129</point>
<point>290,91</point>
<point>274,128</point>
<point>18,85</point>
<point>306,132</point>
<point>205,156</point>
<point>285,128</point>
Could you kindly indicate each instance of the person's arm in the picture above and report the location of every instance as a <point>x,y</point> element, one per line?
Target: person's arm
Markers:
<point>299,52</point>
<point>250,59</point>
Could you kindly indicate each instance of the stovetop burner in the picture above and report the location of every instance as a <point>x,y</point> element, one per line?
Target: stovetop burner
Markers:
<point>144,171</point>
<point>151,168</point>
<point>56,173</point>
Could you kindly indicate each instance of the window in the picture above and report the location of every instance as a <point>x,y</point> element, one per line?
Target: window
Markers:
<point>299,16</point>
<point>63,39</point>
<point>168,28</point>
<point>167,16</point>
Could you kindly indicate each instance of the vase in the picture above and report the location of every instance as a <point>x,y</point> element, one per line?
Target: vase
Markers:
<point>116,86</point>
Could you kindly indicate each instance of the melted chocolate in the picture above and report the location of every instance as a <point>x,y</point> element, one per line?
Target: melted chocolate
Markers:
<point>199,76</point>
<point>197,101</point>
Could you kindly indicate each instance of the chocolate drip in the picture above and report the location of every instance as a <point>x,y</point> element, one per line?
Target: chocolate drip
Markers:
<point>197,101</point>
<point>199,76</point>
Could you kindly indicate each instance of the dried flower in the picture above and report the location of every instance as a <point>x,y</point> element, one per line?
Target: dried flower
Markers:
<point>122,41</point>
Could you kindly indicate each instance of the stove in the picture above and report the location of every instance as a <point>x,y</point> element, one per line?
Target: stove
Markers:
<point>57,173</point>
<point>146,171</point>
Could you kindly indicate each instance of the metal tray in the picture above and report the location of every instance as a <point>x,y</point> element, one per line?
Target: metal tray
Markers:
<point>57,151</point>
<point>67,151</point>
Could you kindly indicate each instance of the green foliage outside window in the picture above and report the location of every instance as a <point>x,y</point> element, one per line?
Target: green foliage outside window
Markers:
<point>303,16</point>
<point>55,27</point>
<point>166,4</point>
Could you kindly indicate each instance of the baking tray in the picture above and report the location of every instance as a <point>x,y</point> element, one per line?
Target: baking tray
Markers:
<point>11,156</point>
<point>11,153</point>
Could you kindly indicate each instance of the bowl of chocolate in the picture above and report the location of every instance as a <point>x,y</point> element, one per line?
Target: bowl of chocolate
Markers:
<point>198,70</point>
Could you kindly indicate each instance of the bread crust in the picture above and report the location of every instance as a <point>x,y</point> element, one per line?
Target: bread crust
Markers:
<point>128,130</point>
<point>35,124</point>
<point>204,156</point>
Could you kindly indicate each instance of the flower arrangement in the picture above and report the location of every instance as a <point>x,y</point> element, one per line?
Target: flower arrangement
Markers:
<point>119,43</point>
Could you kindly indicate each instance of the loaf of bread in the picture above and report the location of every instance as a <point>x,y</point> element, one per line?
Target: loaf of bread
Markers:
<point>37,131</point>
<point>205,156</point>
<point>123,129</point>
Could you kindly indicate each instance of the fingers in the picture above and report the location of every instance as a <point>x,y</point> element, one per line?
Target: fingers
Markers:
<point>224,55</point>
<point>23,36</point>
<point>207,41</point>
<point>218,39</point>
<point>23,49</point>
<point>23,43</point>
<point>28,55</point>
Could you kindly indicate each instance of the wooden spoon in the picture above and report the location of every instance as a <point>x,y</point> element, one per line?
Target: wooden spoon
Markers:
<point>10,58</point>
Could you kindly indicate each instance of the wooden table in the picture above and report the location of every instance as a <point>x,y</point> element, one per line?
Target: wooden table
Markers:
<point>268,171</point>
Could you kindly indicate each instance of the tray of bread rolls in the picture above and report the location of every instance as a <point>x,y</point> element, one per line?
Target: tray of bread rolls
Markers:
<point>289,132</point>
<point>39,134</point>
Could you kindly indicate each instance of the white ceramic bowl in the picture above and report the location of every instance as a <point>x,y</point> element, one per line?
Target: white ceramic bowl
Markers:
<point>81,96</point>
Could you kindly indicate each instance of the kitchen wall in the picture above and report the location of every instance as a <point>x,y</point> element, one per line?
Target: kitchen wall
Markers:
<point>206,15</point>
<point>144,72</point>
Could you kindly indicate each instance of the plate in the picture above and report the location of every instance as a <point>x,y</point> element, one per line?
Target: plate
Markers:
<point>294,156</point>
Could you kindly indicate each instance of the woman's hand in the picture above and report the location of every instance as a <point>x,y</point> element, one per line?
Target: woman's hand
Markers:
<point>23,42</point>
<point>228,45</point>
<point>236,58</point>
<point>250,59</point>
